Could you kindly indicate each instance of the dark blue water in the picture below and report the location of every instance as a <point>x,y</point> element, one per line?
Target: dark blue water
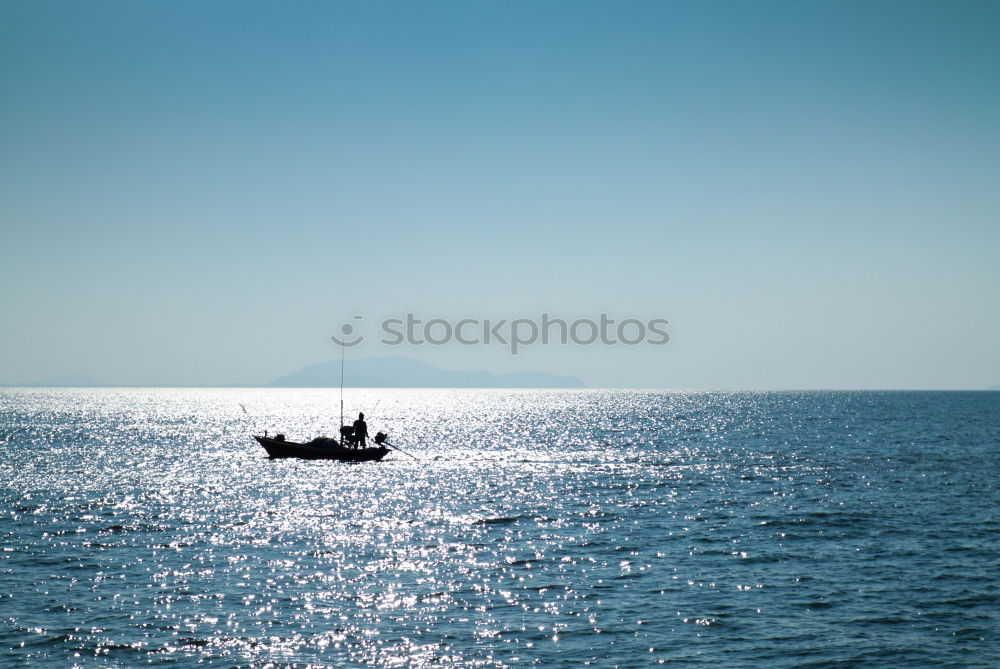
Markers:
<point>563,528</point>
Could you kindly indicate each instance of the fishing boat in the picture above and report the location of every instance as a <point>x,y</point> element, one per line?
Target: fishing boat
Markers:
<point>324,448</point>
<point>320,448</point>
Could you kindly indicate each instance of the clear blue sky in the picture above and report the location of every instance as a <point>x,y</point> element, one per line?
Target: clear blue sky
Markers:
<point>200,193</point>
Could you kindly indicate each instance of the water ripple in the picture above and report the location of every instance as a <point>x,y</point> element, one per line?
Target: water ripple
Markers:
<point>615,528</point>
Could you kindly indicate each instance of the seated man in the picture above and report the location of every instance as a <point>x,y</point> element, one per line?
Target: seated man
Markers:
<point>347,435</point>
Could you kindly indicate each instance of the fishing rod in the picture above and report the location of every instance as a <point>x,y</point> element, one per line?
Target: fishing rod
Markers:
<point>242,406</point>
<point>341,387</point>
<point>401,450</point>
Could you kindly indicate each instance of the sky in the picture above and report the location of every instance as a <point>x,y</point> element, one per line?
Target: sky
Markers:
<point>202,193</point>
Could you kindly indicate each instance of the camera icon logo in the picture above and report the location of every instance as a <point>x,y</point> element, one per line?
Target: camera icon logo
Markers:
<point>348,337</point>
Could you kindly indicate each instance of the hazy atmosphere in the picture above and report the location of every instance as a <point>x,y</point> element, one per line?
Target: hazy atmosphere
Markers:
<point>492,334</point>
<point>203,193</point>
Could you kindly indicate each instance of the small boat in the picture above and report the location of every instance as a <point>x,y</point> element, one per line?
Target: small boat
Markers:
<point>320,448</point>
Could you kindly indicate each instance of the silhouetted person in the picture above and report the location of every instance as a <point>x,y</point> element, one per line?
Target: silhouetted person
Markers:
<point>361,431</point>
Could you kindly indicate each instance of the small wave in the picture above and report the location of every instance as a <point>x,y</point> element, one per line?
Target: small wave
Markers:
<point>502,520</point>
<point>821,604</point>
<point>192,641</point>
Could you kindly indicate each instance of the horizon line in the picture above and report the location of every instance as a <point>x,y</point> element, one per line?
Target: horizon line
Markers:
<point>649,388</point>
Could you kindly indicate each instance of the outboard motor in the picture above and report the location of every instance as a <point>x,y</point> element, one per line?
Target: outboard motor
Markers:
<point>380,437</point>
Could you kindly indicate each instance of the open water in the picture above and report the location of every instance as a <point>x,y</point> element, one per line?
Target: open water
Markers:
<point>560,528</point>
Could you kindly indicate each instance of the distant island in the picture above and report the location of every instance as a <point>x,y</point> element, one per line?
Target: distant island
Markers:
<point>377,372</point>
<point>400,372</point>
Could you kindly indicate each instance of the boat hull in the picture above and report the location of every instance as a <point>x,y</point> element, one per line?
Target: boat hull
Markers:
<point>319,449</point>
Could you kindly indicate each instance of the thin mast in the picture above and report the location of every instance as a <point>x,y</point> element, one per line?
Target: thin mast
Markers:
<point>341,386</point>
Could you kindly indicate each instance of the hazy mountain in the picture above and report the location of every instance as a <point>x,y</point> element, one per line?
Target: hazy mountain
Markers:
<point>398,372</point>
<point>387,372</point>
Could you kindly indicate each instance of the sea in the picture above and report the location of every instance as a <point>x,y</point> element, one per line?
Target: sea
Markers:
<point>560,528</point>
